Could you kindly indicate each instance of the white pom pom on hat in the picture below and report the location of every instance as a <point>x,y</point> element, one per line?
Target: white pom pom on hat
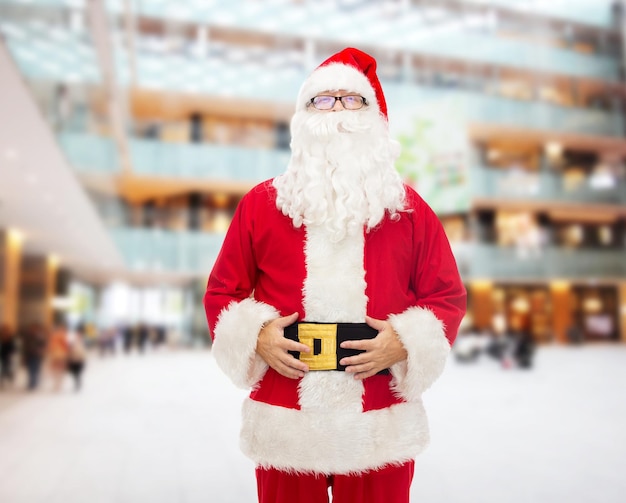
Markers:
<point>349,70</point>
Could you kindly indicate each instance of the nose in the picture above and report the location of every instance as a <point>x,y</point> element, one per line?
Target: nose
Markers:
<point>337,107</point>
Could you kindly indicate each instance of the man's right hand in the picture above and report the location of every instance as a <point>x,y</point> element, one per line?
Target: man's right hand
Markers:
<point>273,347</point>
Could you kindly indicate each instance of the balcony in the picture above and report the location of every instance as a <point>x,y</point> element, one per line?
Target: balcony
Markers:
<point>543,116</point>
<point>591,12</point>
<point>157,250</point>
<point>484,108</point>
<point>53,52</point>
<point>471,37</point>
<point>543,186</point>
<point>484,261</point>
<point>95,154</point>
<point>90,153</point>
<point>193,253</point>
<point>155,158</point>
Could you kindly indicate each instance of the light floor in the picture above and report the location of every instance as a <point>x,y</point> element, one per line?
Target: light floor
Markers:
<point>163,427</point>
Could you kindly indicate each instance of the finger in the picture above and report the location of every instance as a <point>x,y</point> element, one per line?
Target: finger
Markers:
<point>361,369</point>
<point>289,372</point>
<point>296,346</point>
<point>375,323</point>
<point>363,344</point>
<point>350,361</point>
<point>364,375</point>
<point>294,367</point>
<point>285,321</point>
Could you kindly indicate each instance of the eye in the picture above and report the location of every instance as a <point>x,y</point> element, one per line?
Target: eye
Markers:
<point>324,101</point>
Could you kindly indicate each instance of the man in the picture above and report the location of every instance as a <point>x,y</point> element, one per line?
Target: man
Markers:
<point>335,298</point>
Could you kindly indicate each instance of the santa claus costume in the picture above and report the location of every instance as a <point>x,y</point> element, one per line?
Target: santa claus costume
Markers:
<point>336,238</point>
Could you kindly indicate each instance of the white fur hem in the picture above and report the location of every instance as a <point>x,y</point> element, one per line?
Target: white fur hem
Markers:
<point>236,333</point>
<point>316,441</point>
<point>424,339</point>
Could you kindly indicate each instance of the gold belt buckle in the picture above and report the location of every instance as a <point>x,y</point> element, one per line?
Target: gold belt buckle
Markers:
<point>326,335</point>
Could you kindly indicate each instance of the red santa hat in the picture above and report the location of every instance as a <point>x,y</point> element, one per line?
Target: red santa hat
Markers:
<point>349,70</point>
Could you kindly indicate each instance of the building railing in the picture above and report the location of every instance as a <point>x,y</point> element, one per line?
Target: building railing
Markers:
<point>409,32</point>
<point>52,53</point>
<point>544,185</point>
<point>156,158</point>
<point>477,106</point>
<point>194,253</point>
<point>88,152</point>
<point>485,261</point>
<point>543,116</point>
<point>161,250</point>
<point>592,12</point>
<point>95,154</point>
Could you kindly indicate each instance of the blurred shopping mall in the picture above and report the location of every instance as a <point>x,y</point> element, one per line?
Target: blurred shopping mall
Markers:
<point>130,130</point>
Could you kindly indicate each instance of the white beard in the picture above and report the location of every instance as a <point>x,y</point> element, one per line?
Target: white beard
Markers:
<point>341,174</point>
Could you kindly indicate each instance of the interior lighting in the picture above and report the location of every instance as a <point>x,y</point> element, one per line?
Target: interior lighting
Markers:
<point>559,285</point>
<point>605,234</point>
<point>592,305</point>
<point>521,305</point>
<point>482,284</point>
<point>554,150</point>
<point>575,234</point>
<point>15,236</point>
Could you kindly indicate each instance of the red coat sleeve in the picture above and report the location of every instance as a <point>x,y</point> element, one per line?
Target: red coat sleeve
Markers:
<point>436,278</point>
<point>428,328</point>
<point>233,316</point>
<point>233,276</point>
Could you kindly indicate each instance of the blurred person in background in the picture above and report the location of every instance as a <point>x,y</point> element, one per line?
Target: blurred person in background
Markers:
<point>501,346</point>
<point>8,347</point>
<point>143,337</point>
<point>128,337</point>
<point>57,355</point>
<point>107,341</point>
<point>76,358</point>
<point>524,350</point>
<point>469,345</point>
<point>34,344</point>
<point>575,334</point>
<point>335,298</point>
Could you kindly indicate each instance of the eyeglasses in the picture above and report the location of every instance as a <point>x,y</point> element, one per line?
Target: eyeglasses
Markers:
<point>349,102</point>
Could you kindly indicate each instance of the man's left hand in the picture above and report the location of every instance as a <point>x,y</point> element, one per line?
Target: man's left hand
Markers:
<point>380,353</point>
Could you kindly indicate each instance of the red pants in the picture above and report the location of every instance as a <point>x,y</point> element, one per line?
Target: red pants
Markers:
<point>390,484</point>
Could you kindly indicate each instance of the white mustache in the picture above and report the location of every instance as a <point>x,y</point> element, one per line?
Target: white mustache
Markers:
<point>328,124</point>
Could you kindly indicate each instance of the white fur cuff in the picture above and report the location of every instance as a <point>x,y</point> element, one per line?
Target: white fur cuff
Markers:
<point>236,333</point>
<point>424,339</point>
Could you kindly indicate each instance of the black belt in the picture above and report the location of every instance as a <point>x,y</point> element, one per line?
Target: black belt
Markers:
<point>325,340</point>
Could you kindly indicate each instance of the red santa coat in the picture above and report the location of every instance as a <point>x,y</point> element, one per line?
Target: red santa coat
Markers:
<point>402,271</point>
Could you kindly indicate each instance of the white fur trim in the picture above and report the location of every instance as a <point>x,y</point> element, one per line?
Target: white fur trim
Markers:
<point>330,391</point>
<point>333,77</point>
<point>334,289</point>
<point>424,339</point>
<point>313,440</point>
<point>236,333</point>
